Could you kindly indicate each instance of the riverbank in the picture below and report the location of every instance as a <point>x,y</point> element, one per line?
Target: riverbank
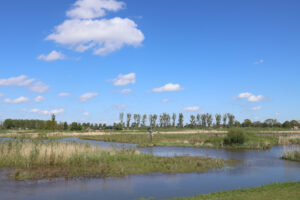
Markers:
<point>38,160</point>
<point>278,191</point>
<point>191,140</point>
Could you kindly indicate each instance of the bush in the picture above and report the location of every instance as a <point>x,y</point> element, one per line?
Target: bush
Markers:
<point>235,136</point>
<point>119,127</point>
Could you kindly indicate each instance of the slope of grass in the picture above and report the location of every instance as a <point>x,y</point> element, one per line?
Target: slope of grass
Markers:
<point>37,159</point>
<point>282,191</point>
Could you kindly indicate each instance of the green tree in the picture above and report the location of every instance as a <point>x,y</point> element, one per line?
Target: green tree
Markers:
<point>174,119</point>
<point>180,120</point>
<point>128,119</point>
<point>192,121</point>
<point>218,120</point>
<point>247,123</point>
<point>287,124</point>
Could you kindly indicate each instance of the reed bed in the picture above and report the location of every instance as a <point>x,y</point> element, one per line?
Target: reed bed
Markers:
<point>291,153</point>
<point>37,159</point>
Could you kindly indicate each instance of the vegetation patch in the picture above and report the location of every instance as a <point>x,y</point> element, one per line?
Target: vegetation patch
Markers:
<point>279,191</point>
<point>292,154</point>
<point>37,159</point>
<point>232,141</point>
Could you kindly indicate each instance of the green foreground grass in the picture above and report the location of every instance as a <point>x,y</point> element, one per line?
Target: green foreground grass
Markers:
<point>252,141</point>
<point>37,160</point>
<point>278,191</point>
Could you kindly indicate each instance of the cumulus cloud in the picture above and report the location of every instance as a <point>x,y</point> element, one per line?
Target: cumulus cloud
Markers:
<point>126,91</point>
<point>83,31</point>
<point>251,97</point>
<point>39,99</point>
<point>85,114</point>
<point>17,100</point>
<point>52,56</point>
<point>64,94</point>
<point>256,108</point>
<point>47,112</point>
<point>88,96</point>
<point>165,100</point>
<point>170,87</point>
<point>16,81</point>
<point>89,9</point>
<point>260,61</point>
<point>124,79</point>
<point>192,109</point>
<point>119,107</point>
<point>24,81</point>
<point>39,87</point>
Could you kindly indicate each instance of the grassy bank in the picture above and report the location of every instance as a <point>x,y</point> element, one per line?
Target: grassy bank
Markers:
<point>252,141</point>
<point>36,160</point>
<point>286,191</point>
<point>292,153</point>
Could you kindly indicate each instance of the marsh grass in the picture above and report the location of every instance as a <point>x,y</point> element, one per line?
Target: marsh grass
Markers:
<point>291,153</point>
<point>253,141</point>
<point>36,159</point>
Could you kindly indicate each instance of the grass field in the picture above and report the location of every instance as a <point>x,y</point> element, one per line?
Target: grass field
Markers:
<point>278,191</point>
<point>36,160</point>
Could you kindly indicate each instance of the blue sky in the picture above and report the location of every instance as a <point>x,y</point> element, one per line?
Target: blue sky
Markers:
<point>111,56</point>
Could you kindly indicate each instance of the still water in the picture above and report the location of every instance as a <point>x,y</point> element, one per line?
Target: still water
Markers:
<point>258,167</point>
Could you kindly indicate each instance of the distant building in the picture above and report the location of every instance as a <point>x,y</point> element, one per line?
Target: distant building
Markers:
<point>296,128</point>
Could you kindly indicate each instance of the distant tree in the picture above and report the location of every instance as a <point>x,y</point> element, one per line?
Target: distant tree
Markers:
<point>231,119</point>
<point>237,123</point>
<point>247,123</point>
<point>66,126</point>
<point>180,120</point>
<point>198,119</point>
<point>287,124</point>
<point>270,122</point>
<point>121,117</point>
<point>294,123</point>
<point>209,119</point>
<point>144,120</point>
<point>192,121</point>
<point>218,120</point>
<point>174,119</point>
<point>154,120</point>
<point>204,120</point>
<point>224,120</point>
<point>128,119</point>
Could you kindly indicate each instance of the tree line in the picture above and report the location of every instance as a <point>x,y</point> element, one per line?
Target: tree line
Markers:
<point>164,120</point>
<point>206,120</point>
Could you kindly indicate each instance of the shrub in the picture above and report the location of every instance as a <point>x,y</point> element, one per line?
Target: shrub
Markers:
<point>235,136</point>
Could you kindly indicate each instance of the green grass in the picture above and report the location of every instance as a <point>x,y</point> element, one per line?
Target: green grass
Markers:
<point>291,154</point>
<point>36,160</point>
<point>279,191</point>
<point>188,140</point>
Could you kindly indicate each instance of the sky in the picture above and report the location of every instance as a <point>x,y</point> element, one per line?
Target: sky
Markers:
<point>89,60</point>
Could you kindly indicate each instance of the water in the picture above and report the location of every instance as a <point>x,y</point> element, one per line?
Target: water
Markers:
<point>258,168</point>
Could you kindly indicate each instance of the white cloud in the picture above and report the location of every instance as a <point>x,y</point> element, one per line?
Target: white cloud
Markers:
<point>170,87</point>
<point>85,114</point>
<point>64,94</point>
<point>251,97</point>
<point>165,100</point>
<point>260,61</point>
<point>119,107</point>
<point>192,109</point>
<point>125,91</point>
<point>256,108</point>
<point>83,31</point>
<point>88,96</point>
<point>39,99</point>
<point>52,56</point>
<point>17,100</point>
<point>47,112</point>
<point>104,36</point>
<point>24,81</point>
<point>89,9</point>
<point>16,81</point>
<point>277,114</point>
<point>124,79</point>
<point>39,87</point>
